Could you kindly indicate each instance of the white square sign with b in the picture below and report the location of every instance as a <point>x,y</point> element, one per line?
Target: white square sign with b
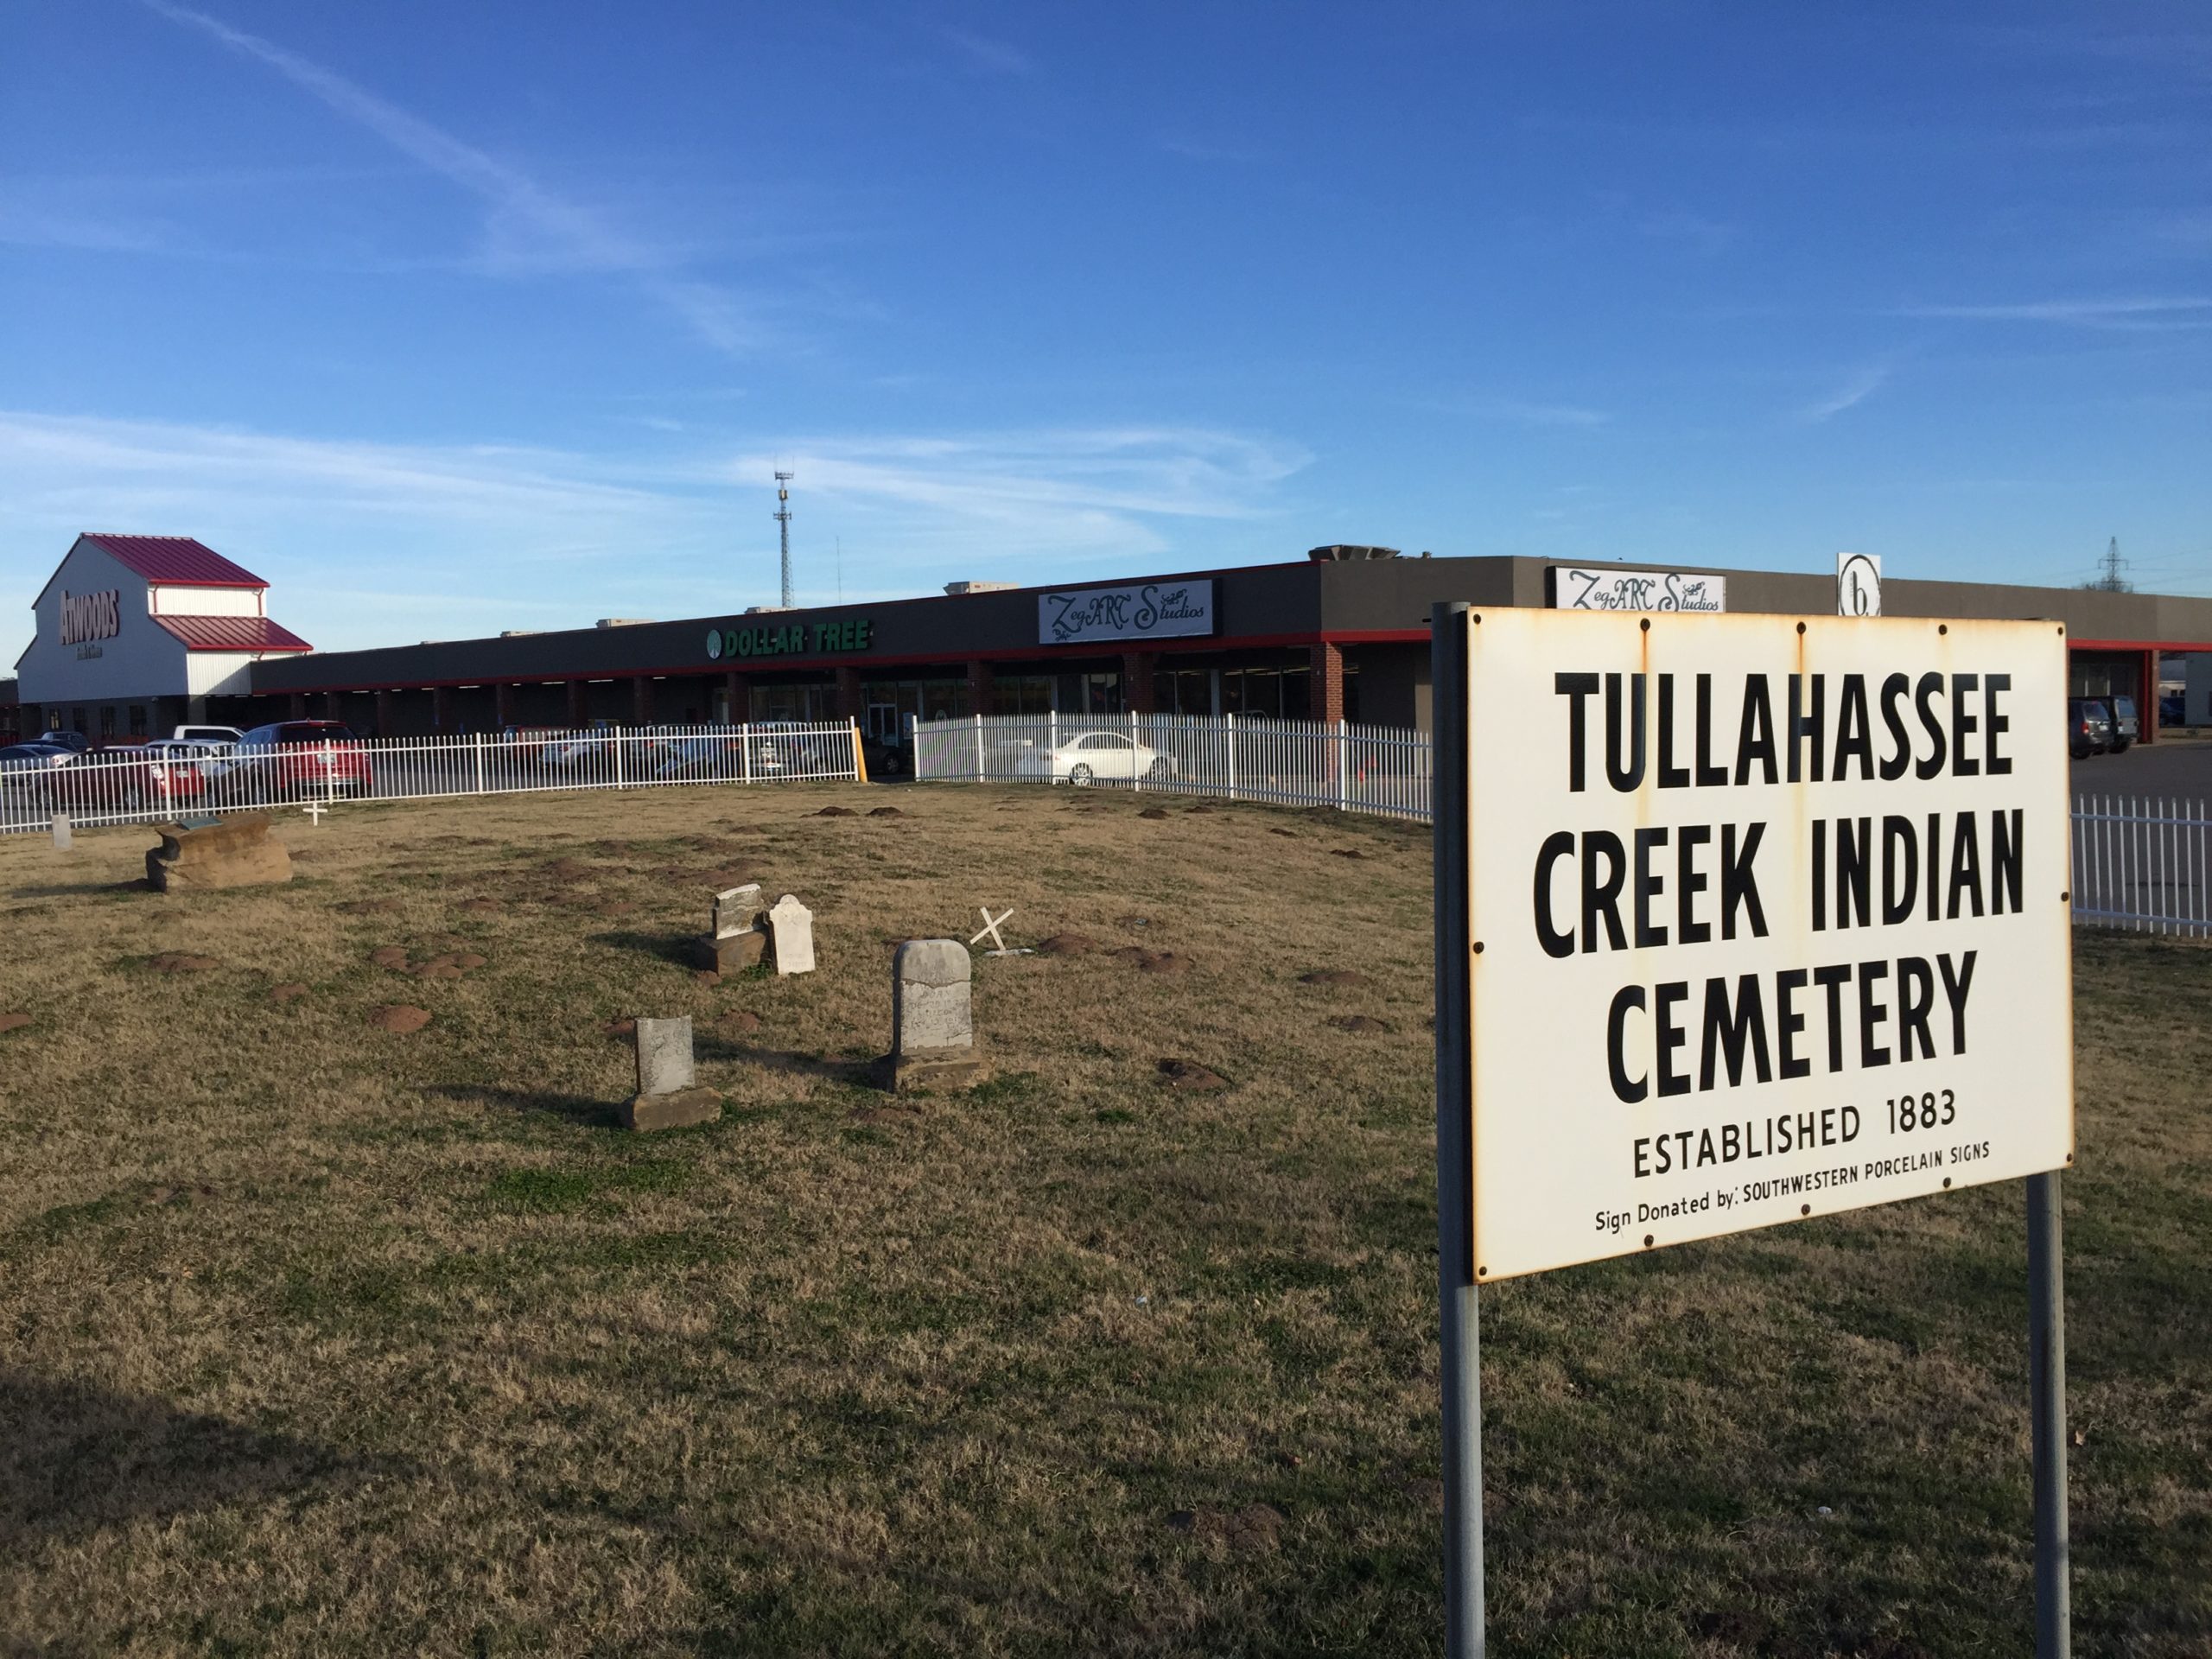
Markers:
<point>1770,920</point>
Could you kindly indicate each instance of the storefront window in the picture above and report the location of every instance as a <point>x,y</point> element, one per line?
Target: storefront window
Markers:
<point>137,720</point>
<point>107,720</point>
<point>1022,694</point>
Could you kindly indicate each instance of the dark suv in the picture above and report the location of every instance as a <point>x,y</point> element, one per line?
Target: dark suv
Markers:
<point>2088,726</point>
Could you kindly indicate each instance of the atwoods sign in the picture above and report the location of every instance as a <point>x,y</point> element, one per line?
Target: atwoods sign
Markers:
<point>1769,920</point>
<point>90,616</point>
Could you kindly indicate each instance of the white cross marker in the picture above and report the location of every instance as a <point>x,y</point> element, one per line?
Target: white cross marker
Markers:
<point>316,809</point>
<point>991,930</point>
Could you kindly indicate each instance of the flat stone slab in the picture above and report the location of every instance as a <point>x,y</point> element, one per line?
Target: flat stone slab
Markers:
<point>732,953</point>
<point>676,1111</point>
<point>236,852</point>
<point>932,1069</point>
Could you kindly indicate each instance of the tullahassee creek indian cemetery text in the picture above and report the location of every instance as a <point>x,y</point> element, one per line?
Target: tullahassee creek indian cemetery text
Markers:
<point>1769,920</point>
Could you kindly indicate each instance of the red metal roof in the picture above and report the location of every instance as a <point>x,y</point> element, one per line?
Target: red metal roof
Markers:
<point>232,633</point>
<point>177,559</point>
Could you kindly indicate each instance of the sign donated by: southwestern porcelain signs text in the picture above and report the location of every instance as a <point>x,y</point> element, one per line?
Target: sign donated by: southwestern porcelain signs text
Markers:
<point>1153,610</point>
<point>1577,588</point>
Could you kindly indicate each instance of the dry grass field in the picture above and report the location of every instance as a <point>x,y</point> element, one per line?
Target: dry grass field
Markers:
<point>316,1338</point>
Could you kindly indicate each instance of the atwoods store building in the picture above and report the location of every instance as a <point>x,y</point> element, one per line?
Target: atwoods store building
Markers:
<point>1342,634</point>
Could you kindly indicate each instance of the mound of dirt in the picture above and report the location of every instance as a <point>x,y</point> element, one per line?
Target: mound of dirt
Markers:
<point>436,968</point>
<point>1154,812</point>
<point>181,961</point>
<point>741,1019</point>
<point>389,956</point>
<point>1068,944</point>
<point>291,992</point>
<point>14,1021</point>
<point>1361,1022</point>
<point>835,812</point>
<point>1277,830</point>
<point>1189,1074</point>
<point>1254,1529</point>
<point>623,1029</point>
<point>1334,976</point>
<point>1198,811</point>
<point>401,1018</point>
<point>885,812</point>
<point>468,962</point>
<point>1163,962</point>
<point>1346,852</point>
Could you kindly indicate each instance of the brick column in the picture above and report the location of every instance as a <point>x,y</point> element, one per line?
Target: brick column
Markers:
<point>850,705</point>
<point>1137,670</point>
<point>1325,695</point>
<point>980,680</point>
<point>442,710</point>
<point>579,705</point>
<point>385,726</point>
<point>641,700</point>
<point>739,690</point>
<point>2147,706</point>
<point>503,704</point>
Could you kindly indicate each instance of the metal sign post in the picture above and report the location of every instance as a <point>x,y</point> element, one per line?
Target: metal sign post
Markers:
<point>2047,1415</point>
<point>1455,1273</point>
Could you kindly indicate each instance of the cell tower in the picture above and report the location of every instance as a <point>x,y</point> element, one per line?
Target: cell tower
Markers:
<point>784,526</point>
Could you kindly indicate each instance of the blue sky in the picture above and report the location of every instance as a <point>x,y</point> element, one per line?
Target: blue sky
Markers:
<point>449,319</point>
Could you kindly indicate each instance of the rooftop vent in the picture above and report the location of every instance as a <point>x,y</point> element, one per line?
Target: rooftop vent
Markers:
<point>624,621</point>
<point>1344,552</point>
<point>955,589</point>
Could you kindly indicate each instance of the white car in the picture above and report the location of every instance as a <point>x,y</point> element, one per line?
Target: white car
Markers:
<point>212,757</point>
<point>223,739</point>
<point>1108,758</point>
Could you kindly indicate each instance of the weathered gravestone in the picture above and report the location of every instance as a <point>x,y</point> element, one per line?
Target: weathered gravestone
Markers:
<point>735,941</point>
<point>790,936</point>
<point>667,1095</point>
<point>933,1018</point>
<point>62,839</point>
<point>235,852</point>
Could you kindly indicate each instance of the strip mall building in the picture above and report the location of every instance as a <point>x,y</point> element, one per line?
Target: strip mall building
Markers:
<point>138,634</point>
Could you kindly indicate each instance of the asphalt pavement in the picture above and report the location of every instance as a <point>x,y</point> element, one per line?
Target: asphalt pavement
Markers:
<point>2175,768</point>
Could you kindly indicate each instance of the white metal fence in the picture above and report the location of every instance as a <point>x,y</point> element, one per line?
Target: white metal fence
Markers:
<point>2139,863</point>
<point>163,781</point>
<point>2143,864</point>
<point>1288,762</point>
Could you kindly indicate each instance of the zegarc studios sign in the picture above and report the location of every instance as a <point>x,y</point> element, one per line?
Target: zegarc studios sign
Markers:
<point>1152,610</point>
<point>1577,588</point>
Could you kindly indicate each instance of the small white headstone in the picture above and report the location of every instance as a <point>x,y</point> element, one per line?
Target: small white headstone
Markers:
<point>665,1055</point>
<point>61,838</point>
<point>791,936</point>
<point>736,909</point>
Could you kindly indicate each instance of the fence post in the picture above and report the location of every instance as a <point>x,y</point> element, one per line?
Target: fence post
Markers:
<point>1136,772</point>
<point>745,752</point>
<point>914,738</point>
<point>979,748</point>
<point>614,737</point>
<point>480,763</point>
<point>1344,767</point>
<point>1229,721</point>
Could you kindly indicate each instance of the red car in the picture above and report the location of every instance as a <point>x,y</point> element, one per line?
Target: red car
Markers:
<point>126,780</point>
<point>301,757</point>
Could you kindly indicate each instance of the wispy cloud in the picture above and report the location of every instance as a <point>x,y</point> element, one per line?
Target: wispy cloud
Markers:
<point>531,227</point>
<point>2122,311</point>
<point>674,530</point>
<point>989,56</point>
<point>1856,388</point>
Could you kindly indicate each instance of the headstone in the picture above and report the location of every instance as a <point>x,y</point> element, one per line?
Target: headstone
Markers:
<point>735,941</point>
<point>933,1018</point>
<point>62,842</point>
<point>667,1095</point>
<point>791,936</point>
<point>235,852</point>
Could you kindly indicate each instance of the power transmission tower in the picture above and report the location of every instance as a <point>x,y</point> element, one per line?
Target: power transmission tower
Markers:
<point>2112,582</point>
<point>784,527</point>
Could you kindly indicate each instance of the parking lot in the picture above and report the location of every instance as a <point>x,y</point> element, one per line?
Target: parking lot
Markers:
<point>2176,766</point>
